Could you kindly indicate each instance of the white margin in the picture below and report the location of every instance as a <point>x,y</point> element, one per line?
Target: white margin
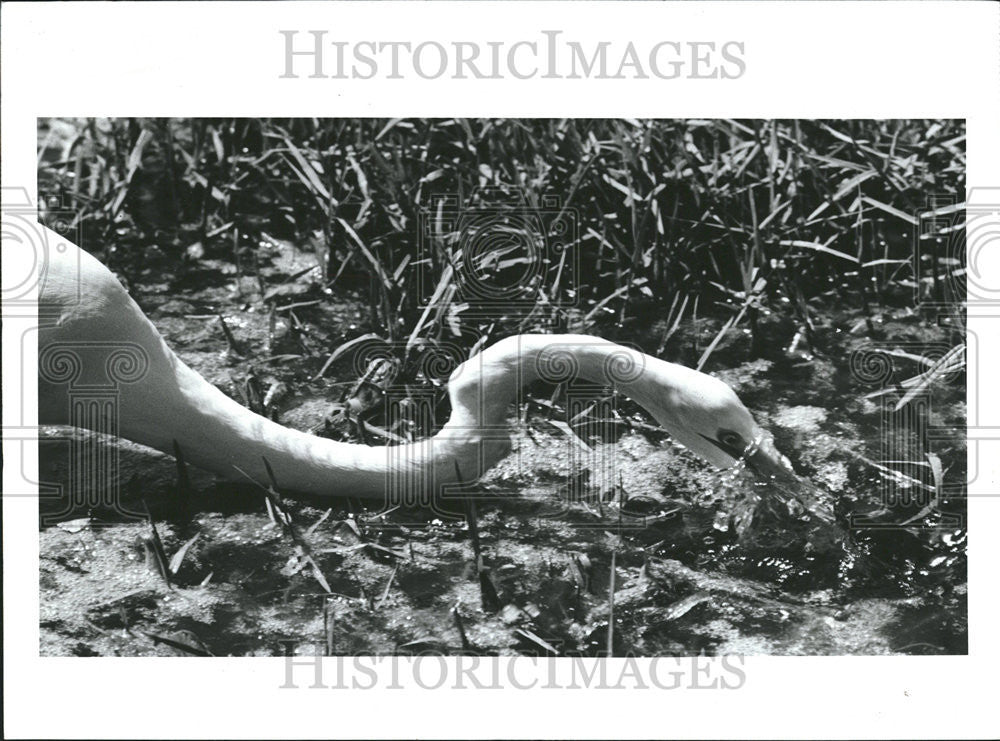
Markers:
<point>818,59</point>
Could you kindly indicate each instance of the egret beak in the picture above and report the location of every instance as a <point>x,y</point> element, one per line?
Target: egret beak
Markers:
<point>769,464</point>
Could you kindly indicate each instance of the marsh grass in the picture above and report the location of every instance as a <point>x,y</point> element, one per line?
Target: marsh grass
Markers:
<point>719,218</point>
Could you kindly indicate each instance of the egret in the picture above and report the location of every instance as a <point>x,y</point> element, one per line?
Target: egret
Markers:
<point>163,403</point>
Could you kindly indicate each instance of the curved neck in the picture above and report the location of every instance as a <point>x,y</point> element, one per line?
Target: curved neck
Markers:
<point>164,402</point>
<point>220,435</point>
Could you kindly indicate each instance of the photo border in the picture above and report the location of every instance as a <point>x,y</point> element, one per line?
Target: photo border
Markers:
<point>808,60</point>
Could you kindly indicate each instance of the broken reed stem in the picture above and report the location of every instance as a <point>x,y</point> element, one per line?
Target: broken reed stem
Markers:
<point>488,591</point>
<point>611,608</point>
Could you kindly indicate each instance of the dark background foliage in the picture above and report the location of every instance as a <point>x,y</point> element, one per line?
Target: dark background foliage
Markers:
<point>717,216</point>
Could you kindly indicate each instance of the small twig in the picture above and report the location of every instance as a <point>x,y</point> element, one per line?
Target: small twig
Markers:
<point>466,645</point>
<point>320,521</point>
<point>488,591</point>
<point>234,346</point>
<point>178,559</point>
<point>184,488</point>
<point>328,626</point>
<point>156,556</point>
<point>178,645</point>
<point>273,499</point>
<point>388,584</point>
<point>537,640</point>
<point>611,607</point>
<point>124,616</point>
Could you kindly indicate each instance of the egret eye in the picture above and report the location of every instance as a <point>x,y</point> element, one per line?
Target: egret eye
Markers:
<point>731,440</point>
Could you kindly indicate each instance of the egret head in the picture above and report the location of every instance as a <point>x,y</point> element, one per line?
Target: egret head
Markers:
<point>704,415</point>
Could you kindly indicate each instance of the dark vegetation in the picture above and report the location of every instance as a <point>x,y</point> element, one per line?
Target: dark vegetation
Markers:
<point>310,268</point>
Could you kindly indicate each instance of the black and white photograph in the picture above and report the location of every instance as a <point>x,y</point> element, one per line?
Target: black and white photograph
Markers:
<point>503,386</point>
<point>500,369</point>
